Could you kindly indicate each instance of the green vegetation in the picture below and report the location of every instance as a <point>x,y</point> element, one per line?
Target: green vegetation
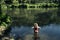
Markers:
<point>48,5</point>
<point>5,20</point>
<point>38,3</point>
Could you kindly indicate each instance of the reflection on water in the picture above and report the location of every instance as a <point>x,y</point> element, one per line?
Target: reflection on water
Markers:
<point>42,16</point>
<point>48,32</point>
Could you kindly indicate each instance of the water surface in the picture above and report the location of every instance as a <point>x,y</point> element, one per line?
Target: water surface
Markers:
<point>23,20</point>
<point>48,32</point>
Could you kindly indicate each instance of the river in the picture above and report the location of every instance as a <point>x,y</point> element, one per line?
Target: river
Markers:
<point>48,32</point>
<point>23,20</point>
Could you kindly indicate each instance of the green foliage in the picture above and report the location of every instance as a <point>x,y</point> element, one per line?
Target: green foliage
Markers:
<point>3,24</point>
<point>48,5</point>
<point>4,19</point>
<point>42,3</point>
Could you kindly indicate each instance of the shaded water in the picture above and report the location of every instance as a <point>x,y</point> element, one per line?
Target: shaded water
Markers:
<point>23,20</point>
<point>42,16</point>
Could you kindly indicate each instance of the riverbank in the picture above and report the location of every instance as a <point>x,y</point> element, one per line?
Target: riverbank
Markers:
<point>38,5</point>
<point>27,5</point>
<point>2,28</point>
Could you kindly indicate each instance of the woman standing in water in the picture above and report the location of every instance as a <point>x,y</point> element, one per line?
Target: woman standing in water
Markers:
<point>36,30</point>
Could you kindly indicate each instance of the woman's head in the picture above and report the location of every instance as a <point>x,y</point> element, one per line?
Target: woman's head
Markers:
<point>35,25</point>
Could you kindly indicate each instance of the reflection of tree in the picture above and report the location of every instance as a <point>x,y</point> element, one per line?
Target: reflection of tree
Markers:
<point>43,18</point>
<point>47,18</point>
<point>28,17</point>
